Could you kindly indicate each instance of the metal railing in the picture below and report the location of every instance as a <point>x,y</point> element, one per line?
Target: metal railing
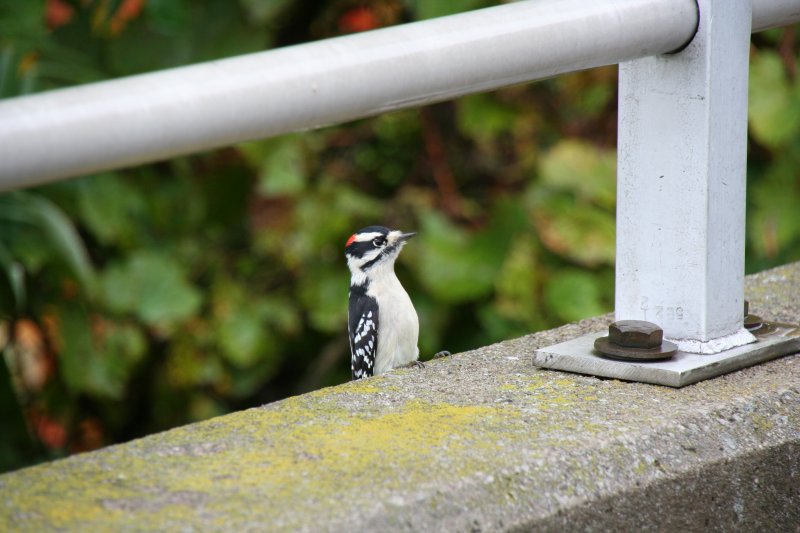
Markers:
<point>150,117</point>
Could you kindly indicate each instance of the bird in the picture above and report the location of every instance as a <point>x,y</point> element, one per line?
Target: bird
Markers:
<point>382,323</point>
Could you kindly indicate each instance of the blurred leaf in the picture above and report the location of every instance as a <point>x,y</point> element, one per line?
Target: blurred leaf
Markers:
<point>427,9</point>
<point>109,207</point>
<point>339,207</point>
<point>16,446</point>
<point>225,198</point>
<point>572,208</point>
<point>482,116</point>
<point>575,231</point>
<point>54,227</point>
<point>60,66</point>
<point>594,99</point>
<point>774,102</point>
<point>573,295</point>
<point>190,365</point>
<point>176,32</point>
<point>456,266</point>
<point>449,265</point>
<point>280,162</point>
<point>153,287</point>
<point>12,292</point>
<point>496,325</point>
<point>281,313</point>
<point>240,324</point>
<point>264,11</point>
<point>122,342</point>
<point>433,318</point>
<point>584,95</point>
<point>6,70</point>
<point>323,292</point>
<point>774,35</point>
<point>82,366</point>
<point>203,407</point>
<point>517,282</point>
<point>171,17</point>
<point>117,349</point>
<point>518,274</point>
<point>774,217</point>
<point>247,381</point>
<point>581,168</point>
<point>516,308</point>
<point>22,23</point>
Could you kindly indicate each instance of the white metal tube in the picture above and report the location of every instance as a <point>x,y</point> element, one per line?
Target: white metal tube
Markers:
<point>774,13</point>
<point>154,116</point>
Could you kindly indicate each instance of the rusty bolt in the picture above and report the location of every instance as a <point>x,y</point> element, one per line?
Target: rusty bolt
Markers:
<point>753,322</point>
<point>635,340</point>
<point>635,334</point>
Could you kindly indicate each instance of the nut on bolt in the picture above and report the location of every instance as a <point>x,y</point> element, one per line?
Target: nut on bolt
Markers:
<point>635,340</point>
<point>752,323</point>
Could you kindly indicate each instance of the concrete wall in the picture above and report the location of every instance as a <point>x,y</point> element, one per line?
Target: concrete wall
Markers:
<point>481,441</point>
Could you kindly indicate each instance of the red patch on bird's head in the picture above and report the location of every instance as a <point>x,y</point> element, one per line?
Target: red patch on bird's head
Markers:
<point>350,240</point>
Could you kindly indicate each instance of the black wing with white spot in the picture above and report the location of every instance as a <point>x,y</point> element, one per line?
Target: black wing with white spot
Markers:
<point>363,329</point>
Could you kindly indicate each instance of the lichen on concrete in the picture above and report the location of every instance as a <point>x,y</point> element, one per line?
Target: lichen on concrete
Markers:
<point>478,441</point>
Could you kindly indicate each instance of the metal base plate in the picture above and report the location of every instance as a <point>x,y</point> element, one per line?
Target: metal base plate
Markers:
<point>579,356</point>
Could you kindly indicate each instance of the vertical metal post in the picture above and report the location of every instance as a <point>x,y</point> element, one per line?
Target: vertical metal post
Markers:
<point>681,184</point>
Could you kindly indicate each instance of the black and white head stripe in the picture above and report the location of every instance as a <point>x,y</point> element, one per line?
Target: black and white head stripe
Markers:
<point>366,240</point>
<point>369,246</point>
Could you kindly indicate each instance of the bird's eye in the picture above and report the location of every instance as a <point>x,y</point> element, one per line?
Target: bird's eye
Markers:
<point>379,241</point>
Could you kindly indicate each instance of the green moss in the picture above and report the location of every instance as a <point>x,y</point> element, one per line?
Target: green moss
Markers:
<point>761,423</point>
<point>304,450</point>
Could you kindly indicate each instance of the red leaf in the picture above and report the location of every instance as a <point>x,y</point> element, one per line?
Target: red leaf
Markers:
<point>358,19</point>
<point>57,13</point>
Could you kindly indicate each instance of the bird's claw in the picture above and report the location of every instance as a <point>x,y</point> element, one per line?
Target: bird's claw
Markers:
<point>415,364</point>
<point>420,364</point>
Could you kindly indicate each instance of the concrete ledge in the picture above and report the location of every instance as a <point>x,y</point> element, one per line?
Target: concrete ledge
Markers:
<point>480,441</point>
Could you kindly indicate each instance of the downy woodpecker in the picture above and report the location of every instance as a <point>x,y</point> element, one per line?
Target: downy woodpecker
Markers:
<point>382,321</point>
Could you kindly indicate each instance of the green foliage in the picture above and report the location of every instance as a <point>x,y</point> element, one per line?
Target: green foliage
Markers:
<point>281,165</point>
<point>774,101</point>
<point>151,287</point>
<point>37,231</point>
<point>574,294</point>
<point>106,205</point>
<point>427,9</point>
<point>773,217</point>
<point>135,300</point>
<point>573,205</point>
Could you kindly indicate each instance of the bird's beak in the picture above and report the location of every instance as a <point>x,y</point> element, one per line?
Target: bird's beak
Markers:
<point>405,236</point>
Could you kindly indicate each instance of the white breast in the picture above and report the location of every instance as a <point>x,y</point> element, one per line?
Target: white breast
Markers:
<point>398,325</point>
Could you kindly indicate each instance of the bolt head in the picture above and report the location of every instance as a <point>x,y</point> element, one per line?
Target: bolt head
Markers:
<point>752,322</point>
<point>635,334</point>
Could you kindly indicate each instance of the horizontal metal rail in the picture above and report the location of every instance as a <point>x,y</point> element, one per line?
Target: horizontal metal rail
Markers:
<point>150,117</point>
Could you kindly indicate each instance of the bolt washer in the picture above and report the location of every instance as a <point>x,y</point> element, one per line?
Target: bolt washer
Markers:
<point>623,353</point>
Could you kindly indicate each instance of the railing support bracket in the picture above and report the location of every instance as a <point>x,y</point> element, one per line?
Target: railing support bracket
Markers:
<point>681,207</point>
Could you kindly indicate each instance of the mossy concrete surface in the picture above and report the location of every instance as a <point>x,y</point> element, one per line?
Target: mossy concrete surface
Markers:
<point>480,441</point>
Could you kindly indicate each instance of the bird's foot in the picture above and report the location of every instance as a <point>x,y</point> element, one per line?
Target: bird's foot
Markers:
<point>439,355</point>
<point>415,364</point>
